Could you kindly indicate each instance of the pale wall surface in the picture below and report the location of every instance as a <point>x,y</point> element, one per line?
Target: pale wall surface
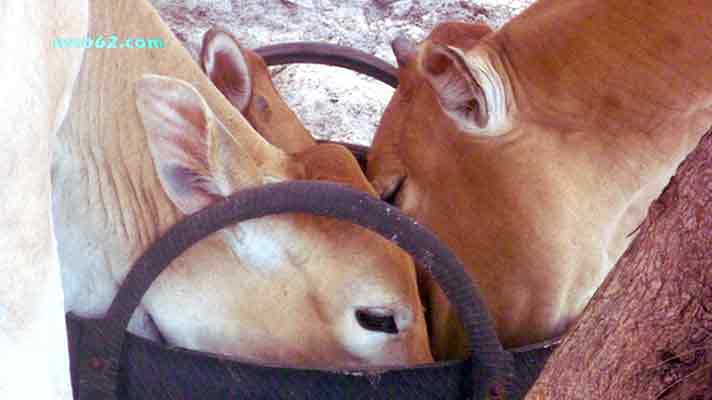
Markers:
<point>332,102</point>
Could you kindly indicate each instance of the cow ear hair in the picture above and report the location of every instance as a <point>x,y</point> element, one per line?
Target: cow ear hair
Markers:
<point>468,89</point>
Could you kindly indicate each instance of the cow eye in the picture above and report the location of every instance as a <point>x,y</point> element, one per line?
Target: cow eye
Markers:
<point>377,320</point>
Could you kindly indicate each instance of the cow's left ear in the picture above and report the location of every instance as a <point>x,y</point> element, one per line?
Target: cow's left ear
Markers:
<point>469,89</point>
<point>190,147</point>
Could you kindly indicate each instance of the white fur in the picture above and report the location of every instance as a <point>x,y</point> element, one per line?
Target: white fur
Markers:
<point>495,94</point>
<point>38,81</point>
<point>456,91</point>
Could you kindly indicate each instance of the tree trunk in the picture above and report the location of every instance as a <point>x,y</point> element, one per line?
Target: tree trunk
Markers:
<point>647,333</point>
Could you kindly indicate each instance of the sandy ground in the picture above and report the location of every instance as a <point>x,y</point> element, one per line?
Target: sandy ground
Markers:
<point>332,102</point>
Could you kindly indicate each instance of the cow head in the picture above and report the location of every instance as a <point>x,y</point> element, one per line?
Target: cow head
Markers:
<point>314,291</point>
<point>243,77</point>
<point>513,195</point>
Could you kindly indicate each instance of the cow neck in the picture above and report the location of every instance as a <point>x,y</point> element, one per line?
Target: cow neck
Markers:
<point>587,67</point>
<point>109,204</point>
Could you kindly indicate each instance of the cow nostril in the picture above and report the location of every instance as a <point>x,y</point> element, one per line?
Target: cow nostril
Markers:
<point>377,320</point>
<point>390,193</point>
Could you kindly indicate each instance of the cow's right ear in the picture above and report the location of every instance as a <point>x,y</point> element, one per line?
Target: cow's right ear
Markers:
<point>224,62</point>
<point>469,89</point>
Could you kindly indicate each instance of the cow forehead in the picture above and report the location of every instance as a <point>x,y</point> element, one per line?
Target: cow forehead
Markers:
<point>333,162</point>
<point>462,35</point>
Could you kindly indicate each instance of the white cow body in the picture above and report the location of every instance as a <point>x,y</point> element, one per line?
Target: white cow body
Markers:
<point>37,81</point>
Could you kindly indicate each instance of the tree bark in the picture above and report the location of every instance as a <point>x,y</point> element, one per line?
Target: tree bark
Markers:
<point>647,333</point>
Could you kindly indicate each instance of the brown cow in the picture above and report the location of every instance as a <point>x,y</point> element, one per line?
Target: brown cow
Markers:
<point>534,151</point>
<point>243,77</point>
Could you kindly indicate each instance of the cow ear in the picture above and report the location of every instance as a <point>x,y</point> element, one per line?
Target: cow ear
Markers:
<point>468,89</point>
<point>181,130</point>
<point>224,62</point>
<point>404,50</point>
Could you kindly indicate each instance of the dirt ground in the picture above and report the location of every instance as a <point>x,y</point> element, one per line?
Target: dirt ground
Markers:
<point>333,103</point>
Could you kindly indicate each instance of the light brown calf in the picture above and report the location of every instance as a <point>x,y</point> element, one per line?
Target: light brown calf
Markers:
<point>151,140</point>
<point>535,151</point>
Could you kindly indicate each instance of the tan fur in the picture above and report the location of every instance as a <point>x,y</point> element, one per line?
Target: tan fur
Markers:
<point>285,295</point>
<point>604,99</point>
